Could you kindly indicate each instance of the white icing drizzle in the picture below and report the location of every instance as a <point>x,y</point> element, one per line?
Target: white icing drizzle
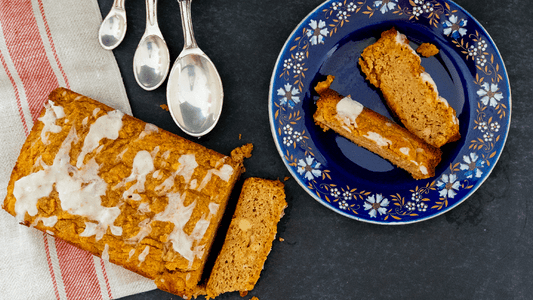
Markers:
<point>85,121</point>
<point>95,111</point>
<point>405,150</point>
<point>157,174</point>
<point>29,189</point>
<point>348,110</point>
<point>99,231</point>
<point>179,214</point>
<point>193,184</point>
<point>381,141</point>
<point>151,128</point>
<point>106,126</point>
<point>99,149</point>
<point>389,124</point>
<point>186,169</point>
<point>48,222</point>
<point>402,40</point>
<point>166,155</point>
<point>79,190</point>
<point>143,164</point>
<point>52,113</point>
<point>424,170</point>
<point>50,232</point>
<point>39,162</point>
<point>419,150</point>
<point>132,251</point>
<point>121,154</point>
<point>155,151</point>
<point>143,254</point>
<point>414,162</point>
<point>187,166</point>
<point>199,229</point>
<point>224,173</point>
<point>144,231</point>
<point>144,207</point>
<point>105,253</point>
<point>427,78</point>
<point>148,129</point>
<point>213,208</point>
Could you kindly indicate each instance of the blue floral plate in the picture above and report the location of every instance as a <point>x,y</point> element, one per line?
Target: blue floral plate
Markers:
<point>352,181</point>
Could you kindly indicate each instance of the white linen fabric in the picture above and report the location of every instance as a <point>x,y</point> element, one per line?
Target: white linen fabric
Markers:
<point>45,44</point>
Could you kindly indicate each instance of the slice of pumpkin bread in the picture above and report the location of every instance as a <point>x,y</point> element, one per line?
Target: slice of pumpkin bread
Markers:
<point>391,65</point>
<point>249,238</point>
<point>374,132</point>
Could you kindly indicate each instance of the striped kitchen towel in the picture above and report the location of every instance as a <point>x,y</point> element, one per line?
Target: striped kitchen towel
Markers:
<point>45,44</point>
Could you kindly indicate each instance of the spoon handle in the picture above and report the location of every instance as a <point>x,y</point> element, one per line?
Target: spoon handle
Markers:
<point>186,23</point>
<point>151,12</point>
<point>119,4</point>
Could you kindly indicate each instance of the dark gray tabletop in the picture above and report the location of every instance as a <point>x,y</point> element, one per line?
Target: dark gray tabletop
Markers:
<point>482,249</point>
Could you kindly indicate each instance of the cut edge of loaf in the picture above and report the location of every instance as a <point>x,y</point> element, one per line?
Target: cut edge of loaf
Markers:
<point>249,238</point>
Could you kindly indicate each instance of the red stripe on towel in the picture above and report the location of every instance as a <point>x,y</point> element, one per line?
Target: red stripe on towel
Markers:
<point>78,272</point>
<point>106,279</point>
<point>50,266</point>
<point>26,50</point>
<point>51,41</point>
<point>28,54</point>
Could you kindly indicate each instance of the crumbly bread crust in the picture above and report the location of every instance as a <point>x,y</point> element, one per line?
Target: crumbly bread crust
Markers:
<point>401,147</point>
<point>249,238</point>
<point>167,193</point>
<point>391,65</point>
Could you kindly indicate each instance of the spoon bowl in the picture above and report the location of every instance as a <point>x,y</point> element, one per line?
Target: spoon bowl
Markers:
<point>113,27</point>
<point>194,90</point>
<point>151,60</point>
<point>194,93</point>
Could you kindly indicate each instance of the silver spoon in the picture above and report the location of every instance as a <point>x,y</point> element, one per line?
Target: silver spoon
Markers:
<point>151,60</point>
<point>194,89</point>
<point>113,27</point>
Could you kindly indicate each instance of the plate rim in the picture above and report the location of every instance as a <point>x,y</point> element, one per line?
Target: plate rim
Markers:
<point>382,222</point>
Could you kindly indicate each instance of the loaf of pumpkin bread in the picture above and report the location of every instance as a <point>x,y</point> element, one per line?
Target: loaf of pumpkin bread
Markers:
<point>122,189</point>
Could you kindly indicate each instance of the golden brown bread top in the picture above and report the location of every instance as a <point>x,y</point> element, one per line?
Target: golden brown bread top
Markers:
<point>249,238</point>
<point>393,66</point>
<point>377,134</point>
<point>122,189</point>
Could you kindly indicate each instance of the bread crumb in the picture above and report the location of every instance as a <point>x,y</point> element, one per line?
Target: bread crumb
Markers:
<point>427,50</point>
<point>240,136</point>
<point>164,106</point>
<point>286,178</point>
<point>254,298</point>
<point>243,293</point>
<point>281,239</point>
